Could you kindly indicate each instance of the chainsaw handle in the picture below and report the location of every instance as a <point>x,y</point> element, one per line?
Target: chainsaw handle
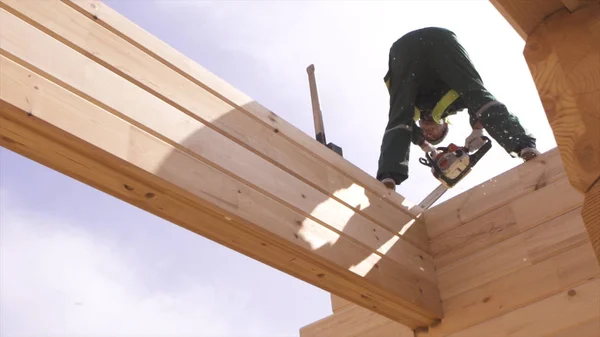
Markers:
<point>424,161</point>
<point>475,157</point>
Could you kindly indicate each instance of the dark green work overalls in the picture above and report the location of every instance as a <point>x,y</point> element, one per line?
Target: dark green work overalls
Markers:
<point>430,76</point>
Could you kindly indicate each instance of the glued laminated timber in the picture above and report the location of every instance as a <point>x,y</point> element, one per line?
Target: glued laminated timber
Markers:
<point>86,92</point>
<point>519,255</point>
<point>514,260</point>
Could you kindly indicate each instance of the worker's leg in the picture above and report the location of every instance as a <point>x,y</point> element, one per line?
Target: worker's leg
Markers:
<point>404,69</point>
<point>452,63</point>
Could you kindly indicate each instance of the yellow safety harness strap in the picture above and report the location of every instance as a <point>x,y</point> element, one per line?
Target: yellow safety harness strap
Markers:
<point>442,105</point>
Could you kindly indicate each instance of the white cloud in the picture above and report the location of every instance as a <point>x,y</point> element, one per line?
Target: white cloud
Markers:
<point>59,280</point>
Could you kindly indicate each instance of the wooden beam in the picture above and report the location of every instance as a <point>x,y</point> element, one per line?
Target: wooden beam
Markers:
<point>527,245</point>
<point>573,5</point>
<point>339,304</point>
<point>591,217</point>
<point>517,216</point>
<point>311,162</point>
<point>567,309</point>
<point>515,290</point>
<point>525,15</point>
<point>355,321</point>
<point>563,55</point>
<point>177,88</point>
<point>81,99</point>
<point>495,192</point>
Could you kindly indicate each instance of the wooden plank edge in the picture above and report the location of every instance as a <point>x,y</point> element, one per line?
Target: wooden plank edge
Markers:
<point>591,217</point>
<point>12,112</point>
<point>539,243</point>
<point>577,305</point>
<point>349,322</point>
<point>421,263</point>
<point>119,25</point>
<point>416,235</point>
<point>545,278</point>
<point>485,231</point>
<point>338,303</point>
<point>590,328</point>
<point>519,289</point>
<point>187,216</point>
<point>448,215</point>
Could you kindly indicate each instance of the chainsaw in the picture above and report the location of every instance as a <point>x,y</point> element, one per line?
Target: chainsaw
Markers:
<point>452,163</point>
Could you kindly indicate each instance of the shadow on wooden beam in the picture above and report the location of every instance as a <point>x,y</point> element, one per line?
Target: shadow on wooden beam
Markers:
<point>87,93</point>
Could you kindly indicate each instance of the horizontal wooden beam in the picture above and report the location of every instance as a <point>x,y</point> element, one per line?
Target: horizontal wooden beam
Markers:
<point>354,321</point>
<point>527,244</point>
<point>85,100</point>
<point>310,162</point>
<point>571,307</point>
<point>525,15</point>
<point>493,193</point>
<point>573,5</point>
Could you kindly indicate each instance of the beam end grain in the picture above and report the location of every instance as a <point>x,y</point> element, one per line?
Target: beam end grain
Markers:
<point>563,55</point>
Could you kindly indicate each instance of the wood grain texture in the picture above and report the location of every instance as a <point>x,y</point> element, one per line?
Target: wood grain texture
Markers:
<point>563,55</point>
<point>591,217</point>
<point>98,126</point>
<point>573,5</point>
<point>54,112</point>
<point>588,329</point>
<point>525,15</point>
<point>355,321</point>
<point>515,290</point>
<point>173,126</point>
<point>339,304</point>
<point>570,308</point>
<point>398,212</point>
<point>390,329</point>
<point>104,47</point>
<point>520,251</point>
<point>494,193</point>
<point>505,222</point>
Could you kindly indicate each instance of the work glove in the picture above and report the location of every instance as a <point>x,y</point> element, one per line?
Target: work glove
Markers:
<point>475,140</point>
<point>429,149</point>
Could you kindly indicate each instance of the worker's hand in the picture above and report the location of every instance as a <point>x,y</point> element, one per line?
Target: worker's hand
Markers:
<point>429,149</point>
<point>475,140</point>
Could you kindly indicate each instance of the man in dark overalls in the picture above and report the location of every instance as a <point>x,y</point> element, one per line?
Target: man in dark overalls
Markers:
<point>430,77</point>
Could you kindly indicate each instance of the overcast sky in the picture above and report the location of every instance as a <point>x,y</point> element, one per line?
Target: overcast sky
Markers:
<point>76,262</point>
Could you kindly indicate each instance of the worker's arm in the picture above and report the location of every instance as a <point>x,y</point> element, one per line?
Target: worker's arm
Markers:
<point>503,127</point>
<point>475,140</point>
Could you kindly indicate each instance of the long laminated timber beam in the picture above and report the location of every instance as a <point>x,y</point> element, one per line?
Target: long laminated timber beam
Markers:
<point>86,92</point>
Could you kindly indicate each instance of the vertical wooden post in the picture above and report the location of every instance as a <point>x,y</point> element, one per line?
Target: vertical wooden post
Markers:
<point>563,54</point>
